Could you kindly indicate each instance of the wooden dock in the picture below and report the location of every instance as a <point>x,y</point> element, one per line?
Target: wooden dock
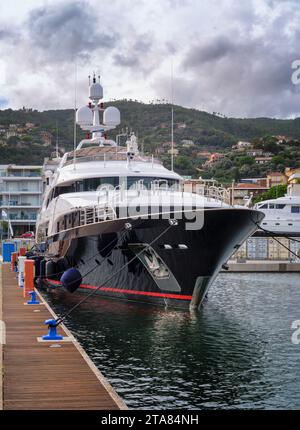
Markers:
<point>46,375</point>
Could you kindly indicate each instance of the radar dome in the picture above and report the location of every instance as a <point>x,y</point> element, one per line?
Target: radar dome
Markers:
<point>96,91</point>
<point>111,116</point>
<point>84,116</point>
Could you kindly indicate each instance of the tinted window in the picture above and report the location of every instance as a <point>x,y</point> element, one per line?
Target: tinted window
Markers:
<point>280,206</point>
<point>92,184</point>
<point>295,209</point>
<point>146,181</point>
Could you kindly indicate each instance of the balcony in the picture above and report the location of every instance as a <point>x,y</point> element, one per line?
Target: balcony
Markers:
<point>24,217</point>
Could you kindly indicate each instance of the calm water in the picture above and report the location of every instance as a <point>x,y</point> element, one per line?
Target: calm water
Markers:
<point>235,353</point>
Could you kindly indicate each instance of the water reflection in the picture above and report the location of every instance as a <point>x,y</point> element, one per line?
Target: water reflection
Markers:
<point>235,353</point>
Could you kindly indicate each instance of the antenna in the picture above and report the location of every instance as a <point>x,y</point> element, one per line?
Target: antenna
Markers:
<point>75,108</point>
<point>56,146</point>
<point>172,118</point>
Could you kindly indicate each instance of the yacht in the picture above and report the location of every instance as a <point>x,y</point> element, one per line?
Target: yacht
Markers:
<point>125,224</point>
<point>282,215</point>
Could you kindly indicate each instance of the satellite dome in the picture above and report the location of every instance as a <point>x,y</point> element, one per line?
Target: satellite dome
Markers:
<point>111,116</point>
<point>84,116</point>
<point>96,91</point>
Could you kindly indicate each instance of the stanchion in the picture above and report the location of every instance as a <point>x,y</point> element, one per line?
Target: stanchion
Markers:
<point>21,271</point>
<point>33,300</point>
<point>13,260</point>
<point>52,334</point>
<point>28,277</point>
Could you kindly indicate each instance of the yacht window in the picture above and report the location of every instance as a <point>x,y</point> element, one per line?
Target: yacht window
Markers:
<point>146,181</point>
<point>271,206</point>
<point>280,206</point>
<point>92,184</point>
<point>295,209</point>
<point>265,206</point>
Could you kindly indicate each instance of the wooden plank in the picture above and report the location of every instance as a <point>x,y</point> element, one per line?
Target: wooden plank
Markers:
<point>1,349</point>
<point>37,376</point>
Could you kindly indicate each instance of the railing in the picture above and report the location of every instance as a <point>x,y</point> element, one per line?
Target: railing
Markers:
<point>106,210</point>
<point>109,156</point>
<point>91,215</point>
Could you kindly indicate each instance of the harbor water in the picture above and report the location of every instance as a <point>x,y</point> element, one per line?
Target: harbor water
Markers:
<point>236,352</point>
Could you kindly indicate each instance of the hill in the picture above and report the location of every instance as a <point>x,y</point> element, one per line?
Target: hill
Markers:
<point>150,121</point>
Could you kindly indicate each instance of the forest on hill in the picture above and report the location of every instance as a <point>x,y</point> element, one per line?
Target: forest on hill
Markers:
<point>151,122</point>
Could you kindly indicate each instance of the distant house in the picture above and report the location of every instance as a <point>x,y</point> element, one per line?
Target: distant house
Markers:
<point>242,145</point>
<point>282,139</point>
<point>242,192</point>
<point>187,143</point>
<point>181,125</point>
<point>29,125</point>
<point>276,178</point>
<point>46,138</point>
<point>11,133</point>
<point>263,160</point>
<point>255,152</point>
<point>258,181</point>
<point>216,157</point>
<point>173,151</point>
<point>204,154</point>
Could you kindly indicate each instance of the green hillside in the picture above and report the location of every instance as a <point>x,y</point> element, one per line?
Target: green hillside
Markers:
<point>152,124</point>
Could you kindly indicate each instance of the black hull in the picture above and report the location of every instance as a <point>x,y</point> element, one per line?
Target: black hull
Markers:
<point>190,259</point>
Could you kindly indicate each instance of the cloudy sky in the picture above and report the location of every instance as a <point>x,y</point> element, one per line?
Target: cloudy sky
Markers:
<point>229,56</point>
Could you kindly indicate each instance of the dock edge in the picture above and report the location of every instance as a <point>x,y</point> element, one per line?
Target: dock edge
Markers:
<point>110,390</point>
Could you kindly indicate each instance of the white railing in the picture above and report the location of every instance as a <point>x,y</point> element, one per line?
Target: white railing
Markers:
<point>92,215</point>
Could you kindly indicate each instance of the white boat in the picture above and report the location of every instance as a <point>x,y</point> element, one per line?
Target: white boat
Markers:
<point>282,215</point>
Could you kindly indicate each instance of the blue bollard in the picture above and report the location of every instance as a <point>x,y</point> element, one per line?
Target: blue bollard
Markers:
<point>33,300</point>
<point>52,334</point>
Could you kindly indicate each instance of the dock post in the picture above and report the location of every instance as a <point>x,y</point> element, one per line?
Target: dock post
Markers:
<point>22,251</point>
<point>21,271</point>
<point>33,300</point>
<point>13,260</point>
<point>28,277</point>
<point>52,334</point>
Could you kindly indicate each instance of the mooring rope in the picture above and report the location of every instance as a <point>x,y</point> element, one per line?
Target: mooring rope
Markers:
<point>63,317</point>
<point>272,235</point>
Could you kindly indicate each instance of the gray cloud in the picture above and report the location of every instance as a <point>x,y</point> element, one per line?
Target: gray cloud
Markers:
<point>68,30</point>
<point>243,73</point>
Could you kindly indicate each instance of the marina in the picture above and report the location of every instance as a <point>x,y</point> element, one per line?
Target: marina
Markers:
<point>149,210</point>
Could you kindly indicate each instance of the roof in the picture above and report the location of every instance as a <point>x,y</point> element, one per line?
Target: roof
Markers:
<point>247,186</point>
<point>275,174</point>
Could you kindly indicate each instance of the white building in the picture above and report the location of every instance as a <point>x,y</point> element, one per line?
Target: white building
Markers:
<point>21,189</point>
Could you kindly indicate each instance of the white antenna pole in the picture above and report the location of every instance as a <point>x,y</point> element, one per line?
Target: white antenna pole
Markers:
<point>172,119</point>
<point>56,146</point>
<point>75,107</point>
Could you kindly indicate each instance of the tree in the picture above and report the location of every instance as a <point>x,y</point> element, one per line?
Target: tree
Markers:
<point>272,193</point>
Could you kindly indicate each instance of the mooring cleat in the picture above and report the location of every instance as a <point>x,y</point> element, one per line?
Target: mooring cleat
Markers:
<point>52,334</point>
<point>33,300</point>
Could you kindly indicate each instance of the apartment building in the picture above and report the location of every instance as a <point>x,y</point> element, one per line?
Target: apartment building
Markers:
<point>21,190</point>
